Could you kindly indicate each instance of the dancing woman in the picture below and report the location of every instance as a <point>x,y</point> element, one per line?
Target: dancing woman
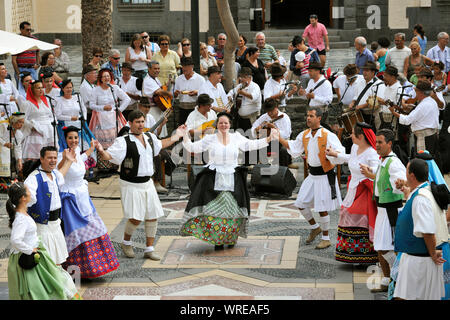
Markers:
<point>219,206</point>
<point>358,211</point>
<point>88,242</point>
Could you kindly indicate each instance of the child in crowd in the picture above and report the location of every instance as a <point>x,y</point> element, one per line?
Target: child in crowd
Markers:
<point>439,76</point>
<point>211,44</point>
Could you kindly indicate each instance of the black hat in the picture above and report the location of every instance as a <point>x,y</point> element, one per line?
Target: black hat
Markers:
<point>391,70</point>
<point>145,101</point>
<point>127,65</point>
<point>213,69</point>
<point>277,70</point>
<point>45,72</point>
<point>88,68</point>
<point>370,65</point>
<point>204,99</point>
<point>315,65</point>
<point>441,195</point>
<point>187,61</point>
<point>423,86</point>
<point>363,125</point>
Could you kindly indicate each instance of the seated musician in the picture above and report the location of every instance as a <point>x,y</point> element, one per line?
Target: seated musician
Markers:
<point>364,98</point>
<point>201,120</point>
<point>144,105</point>
<point>319,91</point>
<point>187,87</point>
<point>250,106</point>
<point>274,118</point>
<point>214,89</point>
<point>424,120</point>
<point>152,88</point>
<point>275,87</point>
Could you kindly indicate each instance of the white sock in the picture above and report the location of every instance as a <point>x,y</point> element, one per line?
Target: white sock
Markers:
<point>326,237</point>
<point>127,243</point>
<point>149,249</point>
<point>315,226</point>
<point>384,281</point>
<point>324,222</point>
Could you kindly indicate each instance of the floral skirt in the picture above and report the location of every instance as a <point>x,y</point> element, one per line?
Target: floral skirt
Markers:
<point>94,258</point>
<point>353,246</point>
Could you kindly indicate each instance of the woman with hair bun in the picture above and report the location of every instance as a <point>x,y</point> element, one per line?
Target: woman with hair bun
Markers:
<point>32,274</point>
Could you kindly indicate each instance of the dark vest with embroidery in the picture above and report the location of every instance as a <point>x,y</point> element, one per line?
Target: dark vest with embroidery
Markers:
<point>130,165</point>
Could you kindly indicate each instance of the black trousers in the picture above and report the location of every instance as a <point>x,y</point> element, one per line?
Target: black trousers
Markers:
<point>183,115</point>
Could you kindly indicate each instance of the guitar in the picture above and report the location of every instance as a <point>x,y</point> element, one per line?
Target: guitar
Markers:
<point>164,101</point>
<point>166,114</point>
<point>265,124</point>
<point>413,101</point>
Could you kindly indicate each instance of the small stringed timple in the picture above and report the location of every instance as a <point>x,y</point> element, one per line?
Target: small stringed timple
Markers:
<point>265,126</point>
<point>166,114</point>
<point>411,103</point>
<point>164,101</point>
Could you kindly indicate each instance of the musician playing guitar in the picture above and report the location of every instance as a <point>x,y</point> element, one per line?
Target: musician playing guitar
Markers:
<point>275,87</point>
<point>274,118</point>
<point>250,105</point>
<point>152,87</point>
<point>201,120</point>
<point>214,89</point>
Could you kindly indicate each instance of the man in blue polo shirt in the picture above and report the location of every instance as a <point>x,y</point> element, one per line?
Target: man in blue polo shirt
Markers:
<point>362,53</point>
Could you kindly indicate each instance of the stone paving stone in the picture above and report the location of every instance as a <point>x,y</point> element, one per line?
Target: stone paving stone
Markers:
<point>4,294</point>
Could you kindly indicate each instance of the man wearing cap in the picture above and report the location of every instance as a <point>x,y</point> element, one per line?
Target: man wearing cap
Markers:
<point>151,87</point>
<point>114,64</point>
<point>134,153</point>
<point>275,87</point>
<point>392,92</point>
<point>201,114</point>
<point>424,120</point>
<point>319,91</point>
<point>187,87</point>
<point>214,89</point>
<point>372,86</point>
<point>88,84</point>
<point>127,83</point>
<point>314,34</point>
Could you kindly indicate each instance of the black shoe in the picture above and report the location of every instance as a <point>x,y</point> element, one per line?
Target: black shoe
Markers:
<point>216,247</point>
<point>230,246</point>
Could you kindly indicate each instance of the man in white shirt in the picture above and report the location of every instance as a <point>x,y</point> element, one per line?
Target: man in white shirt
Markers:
<point>134,153</point>
<point>128,84</point>
<point>201,120</point>
<point>250,95</point>
<point>151,87</point>
<point>397,55</point>
<point>275,87</point>
<point>392,90</point>
<point>441,52</point>
<point>366,92</point>
<point>187,87</point>
<point>424,120</point>
<point>274,118</point>
<point>88,84</point>
<point>214,89</point>
<point>319,91</point>
<point>346,84</point>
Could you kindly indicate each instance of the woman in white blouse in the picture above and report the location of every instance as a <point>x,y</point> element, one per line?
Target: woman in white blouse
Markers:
<point>219,206</point>
<point>103,123</point>
<point>32,274</point>
<point>11,142</point>
<point>358,212</point>
<point>69,111</point>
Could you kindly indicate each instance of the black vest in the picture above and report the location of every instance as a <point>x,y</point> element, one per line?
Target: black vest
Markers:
<point>130,165</point>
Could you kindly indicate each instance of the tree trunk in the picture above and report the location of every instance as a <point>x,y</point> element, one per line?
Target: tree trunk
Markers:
<point>232,41</point>
<point>96,27</point>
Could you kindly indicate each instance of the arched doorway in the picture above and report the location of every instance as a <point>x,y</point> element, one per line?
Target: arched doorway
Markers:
<point>295,13</point>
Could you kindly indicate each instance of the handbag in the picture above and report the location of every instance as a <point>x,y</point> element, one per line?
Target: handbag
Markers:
<point>29,261</point>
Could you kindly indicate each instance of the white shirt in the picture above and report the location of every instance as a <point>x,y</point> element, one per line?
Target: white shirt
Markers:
<point>17,141</point>
<point>129,87</point>
<point>248,106</point>
<point>57,180</point>
<point>55,93</point>
<point>194,83</point>
<point>118,151</point>
<point>272,88</point>
<point>216,93</point>
<point>8,89</point>
<point>369,157</point>
<point>103,97</point>
<point>65,109</point>
<point>396,57</point>
<point>296,147</point>
<point>422,214</point>
<point>391,93</point>
<point>341,83</point>
<point>283,124</point>
<point>24,236</point>
<point>150,85</point>
<point>437,54</point>
<point>86,92</point>
<point>323,95</point>
<point>396,171</point>
<point>424,116</point>
<point>370,92</point>
<point>196,119</point>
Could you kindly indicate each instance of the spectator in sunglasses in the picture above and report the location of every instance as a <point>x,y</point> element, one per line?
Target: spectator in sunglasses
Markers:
<point>154,47</point>
<point>97,55</point>
<point>184,48</point>
<point>114,64</point>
